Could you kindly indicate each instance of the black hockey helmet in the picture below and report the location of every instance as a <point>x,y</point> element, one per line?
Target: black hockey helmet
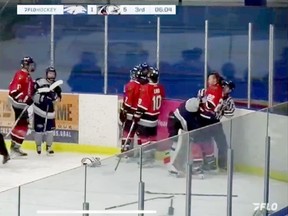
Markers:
<point>28,64</point>
<point>133,72</point>
<point>153,75</point>
<point>228,87</point>
<point>230,84</point>
<point>142,75</point>
<point>51,74</point>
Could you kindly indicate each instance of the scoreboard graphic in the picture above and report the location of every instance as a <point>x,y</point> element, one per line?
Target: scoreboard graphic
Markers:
<point>96,9</point>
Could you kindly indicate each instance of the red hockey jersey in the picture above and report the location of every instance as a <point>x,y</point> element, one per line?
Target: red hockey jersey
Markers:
<point>21,88</point>
<point>150,100</point>
<point>211,102</point>
<point>131,94</point>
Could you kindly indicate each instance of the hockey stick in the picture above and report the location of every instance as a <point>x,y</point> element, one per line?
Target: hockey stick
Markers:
<point>17,120</point>
<point>51,87</point>
<point>131,203</point>
<point>126,141</point>
<point>183,194</point>
<point>46,119</point>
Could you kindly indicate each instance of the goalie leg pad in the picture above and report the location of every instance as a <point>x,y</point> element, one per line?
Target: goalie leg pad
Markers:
<point>173,126</point>
<point>179,156</point>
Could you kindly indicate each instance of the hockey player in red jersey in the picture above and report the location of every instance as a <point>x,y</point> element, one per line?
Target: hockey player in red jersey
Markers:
<point>211,99</point>
<point>21,90</point>
<point>3,150</point>
<point>202,149</point>
<point>138,77</point>
<point>148,110</point>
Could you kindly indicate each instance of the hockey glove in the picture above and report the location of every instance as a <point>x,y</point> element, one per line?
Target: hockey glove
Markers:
<point>58,91</point>
<point>46,99</point>
<point>137,116</point>
<point>52,95</point>
<point>14,94</point>
<point>28,101</point>
<point>123,115</point>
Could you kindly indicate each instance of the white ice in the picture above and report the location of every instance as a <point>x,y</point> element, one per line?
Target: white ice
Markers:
<point>107,188</point>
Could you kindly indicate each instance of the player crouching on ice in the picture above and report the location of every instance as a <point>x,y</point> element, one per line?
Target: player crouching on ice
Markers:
<point>21,90</point>
<point>3,150</point>
<point>44,112</point>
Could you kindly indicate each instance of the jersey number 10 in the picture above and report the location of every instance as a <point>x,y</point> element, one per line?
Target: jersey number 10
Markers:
<point>157,100</point>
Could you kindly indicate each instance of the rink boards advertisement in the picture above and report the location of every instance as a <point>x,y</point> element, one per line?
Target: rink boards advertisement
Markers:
<point>67,118</point>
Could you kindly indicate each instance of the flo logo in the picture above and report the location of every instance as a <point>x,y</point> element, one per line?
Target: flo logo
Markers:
<point>75,9</point>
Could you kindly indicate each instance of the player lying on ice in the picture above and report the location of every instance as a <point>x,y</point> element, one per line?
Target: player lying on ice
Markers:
<point>211,104</point>
<point>141,106</point>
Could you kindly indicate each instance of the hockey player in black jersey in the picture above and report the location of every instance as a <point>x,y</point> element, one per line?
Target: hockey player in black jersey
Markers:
<point>44,112</point>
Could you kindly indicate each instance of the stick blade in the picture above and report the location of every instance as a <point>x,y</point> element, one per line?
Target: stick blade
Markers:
<point>43,90</point>
<point>55,84</point>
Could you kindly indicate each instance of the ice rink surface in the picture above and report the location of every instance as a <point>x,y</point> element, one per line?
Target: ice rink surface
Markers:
<point>118,190</point>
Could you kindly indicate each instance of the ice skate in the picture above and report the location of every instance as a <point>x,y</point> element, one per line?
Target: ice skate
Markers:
<point>222,169</point>
<point>16,150</point>
<point>177,173</point>
<point>197,169</point>
<point>49,150</point>
<point>6,158</point>
<point>222,165</point>
<point>210,165</point>
<point>38,149</point>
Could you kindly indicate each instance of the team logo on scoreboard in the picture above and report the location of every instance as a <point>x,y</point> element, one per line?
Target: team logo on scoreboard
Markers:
<point>75,9</point>
<point>109,10</point>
